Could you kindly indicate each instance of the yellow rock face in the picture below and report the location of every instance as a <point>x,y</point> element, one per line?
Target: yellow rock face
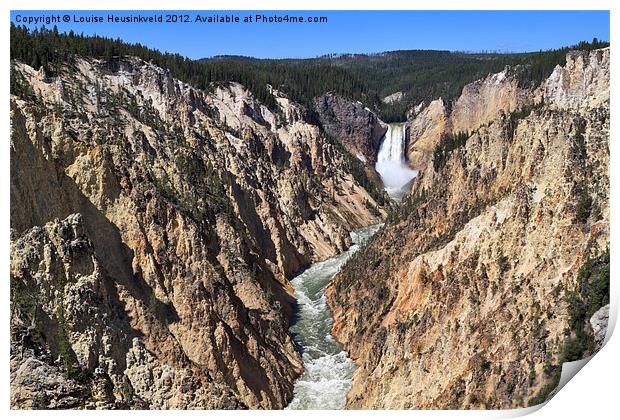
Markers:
<point>174,219</point>
<point>463,299</point>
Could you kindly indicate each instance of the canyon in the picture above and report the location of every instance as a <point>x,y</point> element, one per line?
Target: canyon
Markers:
<point>177,248</point>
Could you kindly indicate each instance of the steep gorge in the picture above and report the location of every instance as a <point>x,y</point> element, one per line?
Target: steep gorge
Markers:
<point>472,294</point>
<point>154,229</point>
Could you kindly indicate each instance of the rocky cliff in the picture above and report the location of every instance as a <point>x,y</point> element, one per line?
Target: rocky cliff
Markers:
<point>358,128</point>
<point>154,228</point>
<point>479,103</point>
<point>493,271</point>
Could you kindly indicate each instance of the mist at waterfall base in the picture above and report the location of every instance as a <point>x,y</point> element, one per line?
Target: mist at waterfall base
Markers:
<point>391,164</point>
<point>327,369</point>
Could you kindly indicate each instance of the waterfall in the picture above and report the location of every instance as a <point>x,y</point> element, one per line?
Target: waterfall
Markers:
<point>391,164</point>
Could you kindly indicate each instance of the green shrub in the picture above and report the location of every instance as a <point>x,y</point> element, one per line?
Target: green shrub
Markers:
<point>584,207</point>
<point>591,294</point>
<point>445,147</point>
<point>63,344</point>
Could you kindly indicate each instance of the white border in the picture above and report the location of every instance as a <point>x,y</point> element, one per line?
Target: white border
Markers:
<point>593,394</point>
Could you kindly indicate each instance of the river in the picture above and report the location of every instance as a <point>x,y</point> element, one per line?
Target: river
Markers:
<point>328,371</point>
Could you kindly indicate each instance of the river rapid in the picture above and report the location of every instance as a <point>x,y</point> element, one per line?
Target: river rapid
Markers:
<point>328,370</point>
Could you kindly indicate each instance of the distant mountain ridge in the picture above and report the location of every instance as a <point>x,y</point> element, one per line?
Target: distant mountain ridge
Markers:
<point>421,75</point>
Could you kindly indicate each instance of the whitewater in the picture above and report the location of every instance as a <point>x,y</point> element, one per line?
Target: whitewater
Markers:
<point>328,370</point>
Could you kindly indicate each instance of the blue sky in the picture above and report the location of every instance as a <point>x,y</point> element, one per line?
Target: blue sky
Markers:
<point>351,31</point>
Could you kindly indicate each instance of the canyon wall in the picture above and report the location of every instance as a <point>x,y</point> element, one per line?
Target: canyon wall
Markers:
<point>354,125</point>
<point>480,103</point>
<point>493,271</point>
<point>154,228</point>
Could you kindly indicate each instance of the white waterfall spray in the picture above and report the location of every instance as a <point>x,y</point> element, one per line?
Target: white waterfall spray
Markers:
<point>391,164</point>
